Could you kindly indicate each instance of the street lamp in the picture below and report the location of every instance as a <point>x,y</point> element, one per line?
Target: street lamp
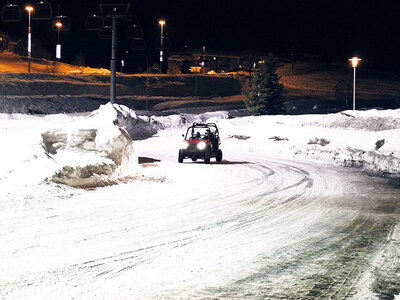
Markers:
<point>162,24</point>
<point>29,9</point>
<point>59,25</point>
<point>354,62</point>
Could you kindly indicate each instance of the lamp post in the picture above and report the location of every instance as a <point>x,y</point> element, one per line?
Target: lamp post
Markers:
<point>29,9</point>
<point>354,62</point>
<point>162,24</point>
<point>59,25</point>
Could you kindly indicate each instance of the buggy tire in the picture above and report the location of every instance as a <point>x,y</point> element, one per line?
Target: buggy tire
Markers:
<point>194,158</point>
<point>219,156</point>
<point>207,157</point>
<point>180,156</point>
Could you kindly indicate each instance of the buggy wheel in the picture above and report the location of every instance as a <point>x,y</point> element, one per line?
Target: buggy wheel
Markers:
<point>180,156</point>
<point>194,158</point>
<point>219,156</point>
<point>207,157</point>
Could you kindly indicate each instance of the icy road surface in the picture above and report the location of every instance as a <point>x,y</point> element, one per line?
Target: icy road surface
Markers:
<point>252,227</point>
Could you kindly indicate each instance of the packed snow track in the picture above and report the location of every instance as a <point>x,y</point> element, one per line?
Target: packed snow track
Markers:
<point>247,228</point>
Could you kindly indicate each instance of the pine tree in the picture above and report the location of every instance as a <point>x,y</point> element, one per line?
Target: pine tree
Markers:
<point>265,93</point>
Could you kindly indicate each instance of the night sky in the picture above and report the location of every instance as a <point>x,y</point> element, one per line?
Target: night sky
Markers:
<point>329,30</point>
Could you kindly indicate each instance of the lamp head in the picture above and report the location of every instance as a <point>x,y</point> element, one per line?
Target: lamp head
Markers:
<point>161,22</point>
<point>354,61</point>
<point>29,8</point>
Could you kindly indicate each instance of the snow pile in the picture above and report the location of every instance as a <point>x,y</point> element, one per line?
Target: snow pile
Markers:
<point>127,119</point>
<point>80,151</point>
<point>371,120</point>
<point>364,139</point>
<point>185,120</point>
<point>369,140</point>
<point>96,150</point>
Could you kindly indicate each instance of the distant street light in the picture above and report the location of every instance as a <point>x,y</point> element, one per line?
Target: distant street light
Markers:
<point>162,24</point>
<point>59,25</point>
<point>29,9</point>
<point>354,62</point>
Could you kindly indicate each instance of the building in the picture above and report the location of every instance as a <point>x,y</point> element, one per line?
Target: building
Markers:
<point>199,61</point>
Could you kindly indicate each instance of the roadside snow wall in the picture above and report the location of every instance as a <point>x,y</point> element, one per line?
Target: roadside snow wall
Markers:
<point>96,150</point>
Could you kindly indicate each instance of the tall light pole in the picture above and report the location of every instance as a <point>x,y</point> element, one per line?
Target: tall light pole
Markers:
<point>354,62</point>
<point>59,25</point>
<point>29,9</point>
<point>162,24</point>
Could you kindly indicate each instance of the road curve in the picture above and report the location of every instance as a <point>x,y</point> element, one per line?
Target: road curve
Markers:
<point>252,227</point>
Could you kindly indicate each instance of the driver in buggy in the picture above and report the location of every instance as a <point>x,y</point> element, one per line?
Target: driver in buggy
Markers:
<point>195,136</point>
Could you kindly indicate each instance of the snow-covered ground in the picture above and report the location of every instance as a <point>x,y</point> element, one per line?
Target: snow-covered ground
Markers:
<point>279,218</point>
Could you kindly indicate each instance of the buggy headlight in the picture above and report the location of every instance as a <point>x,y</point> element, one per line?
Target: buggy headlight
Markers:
<point>201,145</point>
<point>184,145</point>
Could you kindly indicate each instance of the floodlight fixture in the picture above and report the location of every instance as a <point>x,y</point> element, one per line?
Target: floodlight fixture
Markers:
<point>354,61</point>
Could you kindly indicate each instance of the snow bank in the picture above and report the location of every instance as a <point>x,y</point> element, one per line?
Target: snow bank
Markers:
<point>80,151</point>
<point>185,120</point>
<point>371,120</point>
<point>364,139</point>
<point>98,149</point>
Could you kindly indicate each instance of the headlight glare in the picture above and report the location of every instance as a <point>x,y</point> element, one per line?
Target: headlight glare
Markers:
<point>201,145</point>
<point>184,145</point>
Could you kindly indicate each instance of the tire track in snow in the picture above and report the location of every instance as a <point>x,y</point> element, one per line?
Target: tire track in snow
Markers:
<point>262,229</point>
<point>342,257</point>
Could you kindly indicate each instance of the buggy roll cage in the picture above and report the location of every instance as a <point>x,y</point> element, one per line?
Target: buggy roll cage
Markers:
<point>204,125</point>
